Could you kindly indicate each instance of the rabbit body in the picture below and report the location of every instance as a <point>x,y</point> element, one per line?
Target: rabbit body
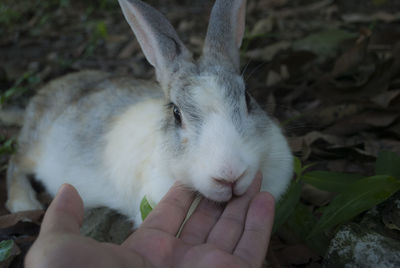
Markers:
<point>65,139</point>
<point>118,139</point>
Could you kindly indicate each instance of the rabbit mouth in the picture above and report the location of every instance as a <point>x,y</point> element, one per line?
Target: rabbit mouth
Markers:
<point>226,193</point>
<point>223,193</point>
<point>227,188</point>
<point>221,197</point>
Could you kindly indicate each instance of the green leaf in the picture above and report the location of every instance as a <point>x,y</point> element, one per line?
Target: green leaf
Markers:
<point>5,249</point>
<point>324,43</point>
<point>298,167</point>
<point>7,146</point>
<point>301,222</point>
<point>101,30</point>
<point>330,181</point>
<point>11,92</point>
<point>388,163</point>
<point>145,208</point>
<point>287,204</point>
<point>22,85</point>
<point>360,196</point>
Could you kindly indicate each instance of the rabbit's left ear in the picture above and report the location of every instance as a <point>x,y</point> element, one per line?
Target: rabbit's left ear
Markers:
<point>157,38</point>
<point>225,34</point>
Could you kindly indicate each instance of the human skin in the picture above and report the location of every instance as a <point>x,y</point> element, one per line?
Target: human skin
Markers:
<point>235,235</point>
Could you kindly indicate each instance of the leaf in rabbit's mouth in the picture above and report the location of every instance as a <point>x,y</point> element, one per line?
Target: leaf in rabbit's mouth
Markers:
<point>145,207</point>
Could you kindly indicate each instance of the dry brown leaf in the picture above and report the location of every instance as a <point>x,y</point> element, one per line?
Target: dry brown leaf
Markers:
<point>273,78</point>
<point>384,99</point>
<point>129,49</point>
<point>379,16</point>
<point>316,196</point>
<point>328,146</point>
<point>363,121</point>
<point>395,70</point>
<point>395,129</point>
<point>313,136</point>
<point>27,216</point>
<point>268,53</point>
<point>304,143</point>
<point>353,56</point>
<point>327,115</point>
<point>297,62</point>
<point>362,83</point>
<point>20,229</point>
<point>263,26</point>
<point>303,9</point>
<point>254,6</point>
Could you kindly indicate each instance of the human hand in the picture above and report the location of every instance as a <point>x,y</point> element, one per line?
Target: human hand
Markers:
<point>236,235</point>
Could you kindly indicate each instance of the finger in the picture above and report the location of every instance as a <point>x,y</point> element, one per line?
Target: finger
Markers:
<point>198,226</point>
<point>228,230</point>
<point>65,213</point>
<point>253,244</point>
<point>169,214</point>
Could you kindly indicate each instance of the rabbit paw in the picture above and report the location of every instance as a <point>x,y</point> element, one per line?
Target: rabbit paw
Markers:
<point>23,203</point>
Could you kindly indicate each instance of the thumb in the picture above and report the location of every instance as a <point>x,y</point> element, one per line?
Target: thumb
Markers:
<point>65,213</point>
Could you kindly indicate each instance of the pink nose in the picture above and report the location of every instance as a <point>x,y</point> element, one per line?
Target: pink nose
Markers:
<point>224,182</point>
<point>229,178</point>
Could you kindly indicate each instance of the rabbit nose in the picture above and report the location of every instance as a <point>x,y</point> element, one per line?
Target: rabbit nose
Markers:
<point>229,180</point>
<point>224,182</point>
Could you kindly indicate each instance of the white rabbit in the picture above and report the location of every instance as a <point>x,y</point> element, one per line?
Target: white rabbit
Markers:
<point>117,139</point>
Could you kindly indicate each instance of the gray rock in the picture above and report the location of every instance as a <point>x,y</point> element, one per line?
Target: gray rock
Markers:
<point>355,246</point>
<point>105,225</point>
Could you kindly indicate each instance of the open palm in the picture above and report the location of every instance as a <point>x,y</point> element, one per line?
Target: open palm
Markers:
<point>235,235</point>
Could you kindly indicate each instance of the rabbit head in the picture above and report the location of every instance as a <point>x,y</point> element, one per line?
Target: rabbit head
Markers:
<point>215,135</point>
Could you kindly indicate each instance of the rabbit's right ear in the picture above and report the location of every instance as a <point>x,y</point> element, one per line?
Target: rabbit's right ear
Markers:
<point>157,38</point>
<point>224,34</point>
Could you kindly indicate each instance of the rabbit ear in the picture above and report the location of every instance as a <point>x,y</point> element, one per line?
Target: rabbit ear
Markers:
<point>157,38</point>
<point>225,33</point>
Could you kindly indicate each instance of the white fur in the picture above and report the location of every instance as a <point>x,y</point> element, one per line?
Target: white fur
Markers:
<point>276,164</point>
<point>132,156</point>
<point>57,164</point>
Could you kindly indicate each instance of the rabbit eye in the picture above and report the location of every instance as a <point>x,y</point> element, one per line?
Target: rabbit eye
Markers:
<point>177,114</point>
